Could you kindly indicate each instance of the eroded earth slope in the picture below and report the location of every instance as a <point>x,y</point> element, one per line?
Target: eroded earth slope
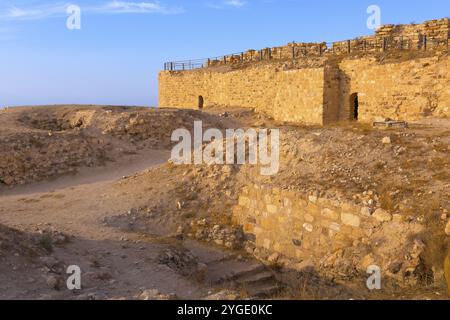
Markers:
<point>92,186</point>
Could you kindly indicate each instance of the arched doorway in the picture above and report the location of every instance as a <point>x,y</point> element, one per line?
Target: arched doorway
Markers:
<point>201,102</point>
<point>354,107</point>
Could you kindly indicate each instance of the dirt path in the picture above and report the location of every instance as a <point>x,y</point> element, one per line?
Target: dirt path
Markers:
<point>114,263</point>
<point>111,171</point>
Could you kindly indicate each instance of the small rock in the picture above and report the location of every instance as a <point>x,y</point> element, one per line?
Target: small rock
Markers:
<point>367,261</point>
<point>382,215</point>
<point>273,258</point>
<point>350,219</point>
<point>365,211</point>
<point>150,294</point>
<point>154,294</point>
<point>305,266</point>
<point>229,244</point>
<point>447,228</point>
<point>222,295</point>
<point>249,248</point>
<point>308,227</point>
<point>386,140</point>
<point>53,282</point>
<point>92,296</point>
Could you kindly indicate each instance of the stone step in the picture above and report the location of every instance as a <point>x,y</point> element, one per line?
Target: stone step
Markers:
<point>258,277</point>
<point>247,271</point>
<point>234,271</point>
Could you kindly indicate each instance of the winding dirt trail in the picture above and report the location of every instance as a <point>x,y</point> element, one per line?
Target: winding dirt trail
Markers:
<point>114,263</point>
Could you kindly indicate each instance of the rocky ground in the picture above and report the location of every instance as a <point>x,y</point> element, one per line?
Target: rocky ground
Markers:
<point>91,186</point>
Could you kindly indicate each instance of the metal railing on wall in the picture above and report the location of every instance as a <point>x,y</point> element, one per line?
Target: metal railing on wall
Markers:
<point>198,63</point>
<point>301,50</point>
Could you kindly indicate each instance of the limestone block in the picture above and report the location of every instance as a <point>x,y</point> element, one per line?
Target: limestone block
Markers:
<point>309,218</point>
<point>330,214</point>
<point>382,215</point>
<point>267,243</point>
<point>350,219</point>
<point>272,209</point>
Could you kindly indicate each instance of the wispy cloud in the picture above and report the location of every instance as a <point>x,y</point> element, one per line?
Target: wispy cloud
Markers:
<point>33,13</point>
<point>136,7</point>
<point>226,3</point>
<point>236,3</point>
<point>111,7</point>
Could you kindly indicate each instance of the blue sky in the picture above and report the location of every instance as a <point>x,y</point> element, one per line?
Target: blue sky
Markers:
<point>115,57</point>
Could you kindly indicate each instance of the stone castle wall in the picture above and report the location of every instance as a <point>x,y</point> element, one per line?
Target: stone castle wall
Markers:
<point>404,90</point>
<point>317,83</point>
<point>291,228</point>
<point>292,95</point>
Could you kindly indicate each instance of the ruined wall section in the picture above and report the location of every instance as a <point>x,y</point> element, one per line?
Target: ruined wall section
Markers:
<point>295,230</point>
<point>286,95</point>
<point>430,35</point>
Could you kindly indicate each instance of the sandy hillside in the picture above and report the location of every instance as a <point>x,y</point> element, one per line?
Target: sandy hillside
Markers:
<point>92,186</point>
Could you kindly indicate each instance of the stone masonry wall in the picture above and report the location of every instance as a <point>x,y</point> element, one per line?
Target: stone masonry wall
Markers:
<point>287,95</point>
<point>296,229</point>
<point>299,226</point>
<point>404,90</point>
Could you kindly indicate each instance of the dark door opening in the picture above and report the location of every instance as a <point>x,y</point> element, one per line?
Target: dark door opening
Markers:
<point>354,106</point>
<point>201,102</point>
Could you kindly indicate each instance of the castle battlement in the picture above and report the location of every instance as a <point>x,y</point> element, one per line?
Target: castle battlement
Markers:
<point>430,35</point>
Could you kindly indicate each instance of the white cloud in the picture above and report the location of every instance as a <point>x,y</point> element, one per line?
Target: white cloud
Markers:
<point>34,13</point>
<point>136,7</point>
<point>226,3</point>
<point>111,7</point>
<point>236,3</point>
